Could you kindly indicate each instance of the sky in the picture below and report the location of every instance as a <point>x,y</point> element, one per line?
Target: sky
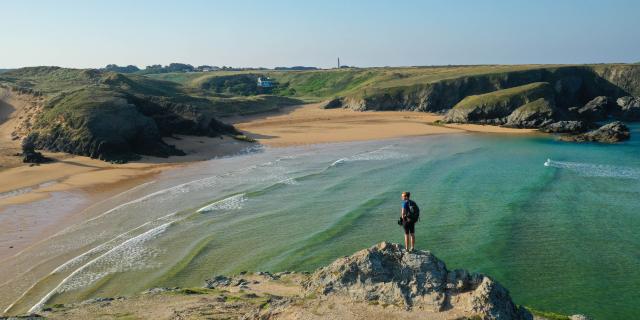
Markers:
<point>269,33</point>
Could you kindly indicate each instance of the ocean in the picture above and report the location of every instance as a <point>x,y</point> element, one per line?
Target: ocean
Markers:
<point>556,223</point>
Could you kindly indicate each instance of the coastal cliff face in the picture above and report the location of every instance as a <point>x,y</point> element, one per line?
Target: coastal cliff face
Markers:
<point>381,282</point>
<point>573,86</point>
<point>108,116</point>
<point>523,99</point>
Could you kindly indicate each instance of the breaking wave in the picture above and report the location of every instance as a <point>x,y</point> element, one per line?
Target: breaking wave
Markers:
<point>383,153</point>
<point>231,203</point>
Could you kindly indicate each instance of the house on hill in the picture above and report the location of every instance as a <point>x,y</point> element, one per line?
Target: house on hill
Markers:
<point>265,82</point>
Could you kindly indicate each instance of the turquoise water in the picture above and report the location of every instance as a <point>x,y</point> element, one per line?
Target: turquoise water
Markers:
<point>562,237</point>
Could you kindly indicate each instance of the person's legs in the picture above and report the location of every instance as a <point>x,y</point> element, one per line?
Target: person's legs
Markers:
<point>407,229</point>
<point>413,241</point>
<point>406,241</point>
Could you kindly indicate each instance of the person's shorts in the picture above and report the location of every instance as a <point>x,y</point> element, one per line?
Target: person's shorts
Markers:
<point>409,227</point>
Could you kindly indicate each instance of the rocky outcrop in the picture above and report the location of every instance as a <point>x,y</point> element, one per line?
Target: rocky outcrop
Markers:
<point>108,127</point>
<point>333,104</point>
<point>573,86</point>
<point>609,133</point>
<point>629,108</point>
<point>572,126</point>
<point>524,106</point>
<point>30,155</point>
<point>389,275</point>
<point>535,114</point>
<point>599,108</point>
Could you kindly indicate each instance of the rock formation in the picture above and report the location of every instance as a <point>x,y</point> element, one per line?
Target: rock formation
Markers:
<point>523,106</point>
<point>30,155</point>
<point>629,108</point>
<point>389,275</point>
<point>534,114</point>
<point>573,126</point>
<point>599,108</point>
<point>609,133</point>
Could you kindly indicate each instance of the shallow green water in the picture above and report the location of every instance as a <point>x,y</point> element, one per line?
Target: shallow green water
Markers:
<point>563,237</point>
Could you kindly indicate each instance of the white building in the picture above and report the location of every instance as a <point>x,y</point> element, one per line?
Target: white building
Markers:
<point>265,82</point>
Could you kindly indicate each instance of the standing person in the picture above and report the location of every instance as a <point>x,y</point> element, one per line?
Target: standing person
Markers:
<point>409,215</point>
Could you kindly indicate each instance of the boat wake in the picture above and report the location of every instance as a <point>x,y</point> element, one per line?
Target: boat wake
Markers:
<point>596,170</point>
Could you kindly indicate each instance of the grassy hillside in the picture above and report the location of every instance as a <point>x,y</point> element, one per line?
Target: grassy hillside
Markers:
<point>317,85</point>
<point>494,107</point>
<point>503,97</point>
<point>431,88</point>
<point>118,117</point>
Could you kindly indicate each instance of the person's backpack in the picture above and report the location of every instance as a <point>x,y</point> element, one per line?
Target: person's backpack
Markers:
<point>414,211</point>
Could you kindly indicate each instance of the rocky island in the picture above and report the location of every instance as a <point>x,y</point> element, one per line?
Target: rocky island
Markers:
<point>381,282</point>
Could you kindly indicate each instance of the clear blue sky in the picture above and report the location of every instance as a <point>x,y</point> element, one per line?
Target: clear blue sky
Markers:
<point>92,33</point>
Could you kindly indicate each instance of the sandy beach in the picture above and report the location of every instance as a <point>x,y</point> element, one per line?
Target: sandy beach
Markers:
<point>97,180</point>
<point>310,124</point>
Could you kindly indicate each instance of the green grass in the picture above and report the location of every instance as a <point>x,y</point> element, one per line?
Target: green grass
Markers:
<point>317,85</point>
<point>502,96</point>
<point>242,137</point>
<point>373,83</point>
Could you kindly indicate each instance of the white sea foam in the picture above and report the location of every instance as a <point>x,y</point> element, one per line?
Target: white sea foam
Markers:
<point>337,162</point>
<point>108,245</point>
<point>289,181</point>
<point>384,153</point>
<point>596,170</point>
<point>47,184</point>
<point>16,192</point>
<point>231,203</point>
<point>128,255</point>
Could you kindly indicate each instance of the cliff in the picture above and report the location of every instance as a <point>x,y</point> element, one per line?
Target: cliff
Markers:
<point>381,282</point>
<point>573,86</point>
<point>112,116</point>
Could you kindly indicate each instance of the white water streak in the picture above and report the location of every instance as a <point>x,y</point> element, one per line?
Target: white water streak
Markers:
<point>596,170</point>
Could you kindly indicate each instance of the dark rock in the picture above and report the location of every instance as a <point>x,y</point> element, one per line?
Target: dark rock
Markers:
<point>240,282</point>
<point>217,281</point>
<point>597,109</point>
<point>534,114</point>
<point>268,275</point>
<point>609,133</point>
<point>96,300</point>
<point>30,155</point>
<point>389,275</point>
<point>566,127</point>
<point>333,104</point>
<point>31,316</point>
<point>629,108</point>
